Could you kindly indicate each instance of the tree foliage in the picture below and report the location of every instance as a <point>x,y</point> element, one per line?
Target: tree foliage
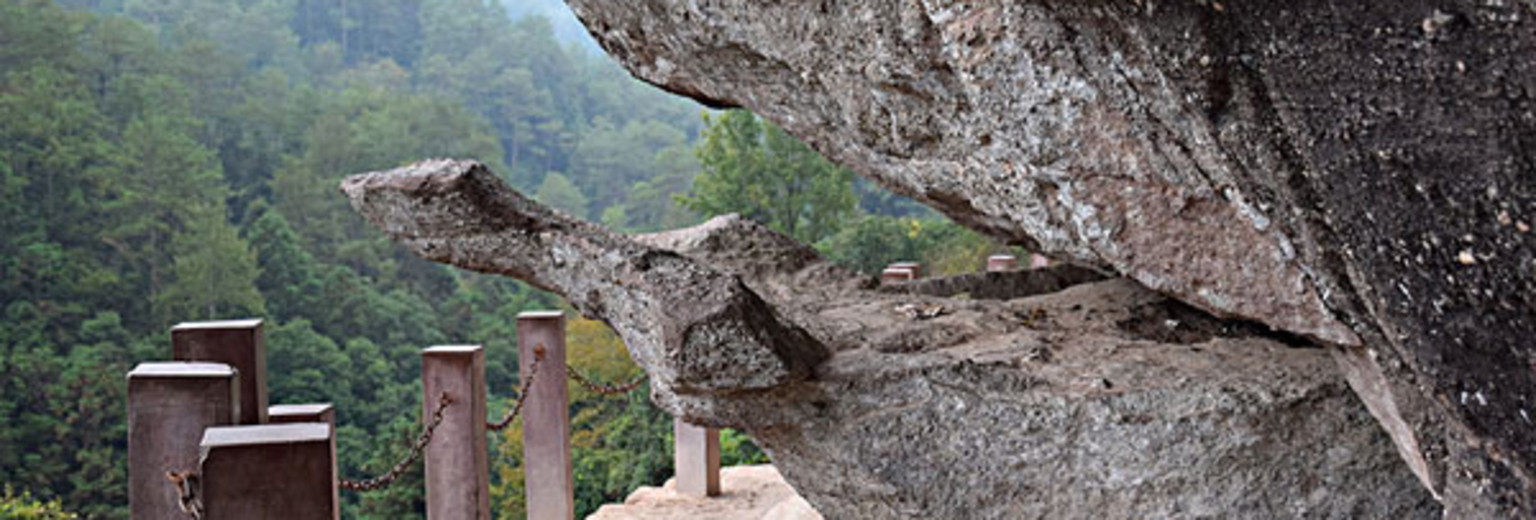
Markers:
<point>753,168</point>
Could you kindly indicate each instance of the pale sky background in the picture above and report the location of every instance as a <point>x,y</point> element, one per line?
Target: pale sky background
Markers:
<point>567,28</point>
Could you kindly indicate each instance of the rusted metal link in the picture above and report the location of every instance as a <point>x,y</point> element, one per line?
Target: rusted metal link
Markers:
<point>522,394</point>
<point>189,492</point>
<point>602,388</point>
<point>416,450</point>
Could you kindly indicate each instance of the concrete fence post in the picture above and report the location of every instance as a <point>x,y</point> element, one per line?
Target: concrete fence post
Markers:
<point>696,453</point>
<point>169,406</point>
<point>302,413</point>
<point>267,471</point>
<point>916,268</point>
<point>546,417</point>
<point>1001,263</point>
<point>457,469</point>
<point>896,275</point>
<point>238,344</point>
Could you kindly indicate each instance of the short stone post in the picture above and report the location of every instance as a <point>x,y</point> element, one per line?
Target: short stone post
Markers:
<point>1039,261</point>
<point>546,417</point>
<point>267,471</point>
<point>235,343</point>
<point>302,413</point>
<point>169,406</point>
<point>697,457</point>
<point>458,472</point>
<point>896,275</point>
<point>916,268</point>
<point>1001,263</point>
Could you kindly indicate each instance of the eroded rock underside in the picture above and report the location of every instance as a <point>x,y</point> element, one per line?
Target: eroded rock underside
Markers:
<point>1054,393</point>
<point>1359,173</point>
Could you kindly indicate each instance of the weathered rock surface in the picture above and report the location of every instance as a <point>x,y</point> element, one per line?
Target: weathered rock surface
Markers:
<point>1360,173</point>
<point>1102,399</point>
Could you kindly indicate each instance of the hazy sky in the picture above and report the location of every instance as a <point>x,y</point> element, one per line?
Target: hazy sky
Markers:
<point>567,27</point>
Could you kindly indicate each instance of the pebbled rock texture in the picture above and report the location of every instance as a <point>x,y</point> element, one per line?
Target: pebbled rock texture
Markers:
<point>1073,397</point>
<point>1359,173</point>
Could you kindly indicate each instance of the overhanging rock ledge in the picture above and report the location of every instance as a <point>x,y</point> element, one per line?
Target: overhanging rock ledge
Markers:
<point>1361,173</point>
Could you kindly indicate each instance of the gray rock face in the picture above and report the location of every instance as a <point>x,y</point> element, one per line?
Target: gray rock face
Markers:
<point>1072,397</point>
<point>1359,173</point>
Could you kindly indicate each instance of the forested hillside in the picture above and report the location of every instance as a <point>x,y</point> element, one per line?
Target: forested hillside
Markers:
<point>173,160</point>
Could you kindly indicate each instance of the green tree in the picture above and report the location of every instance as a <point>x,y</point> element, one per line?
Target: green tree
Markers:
<point>289,280</point>
<point>873,242</point>
<point>214,274</point>
<point>25,507</point>
<point>166,176</point>
<point>559,192</point>
<point>753,168</point>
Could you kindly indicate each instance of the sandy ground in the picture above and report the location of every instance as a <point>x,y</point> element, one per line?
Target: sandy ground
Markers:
<point>747,492</point>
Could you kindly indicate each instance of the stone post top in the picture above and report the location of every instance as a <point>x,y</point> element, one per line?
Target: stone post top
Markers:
<point>540,315</point>
<point>1001,257</point>
<point>292,433</point>
<point>299,409</point>
<point>224,324</point>
<point>164,369</point>
<point>451,349</point>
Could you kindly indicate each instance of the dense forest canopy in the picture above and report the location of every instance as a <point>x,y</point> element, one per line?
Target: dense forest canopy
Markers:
<point>175,160</point>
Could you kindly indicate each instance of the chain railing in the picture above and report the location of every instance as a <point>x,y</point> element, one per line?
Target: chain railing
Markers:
<point>603,389</point>
<point>522,393</point>
<point>187,485</point>
<point>425,438</point>
<point>416,450</point>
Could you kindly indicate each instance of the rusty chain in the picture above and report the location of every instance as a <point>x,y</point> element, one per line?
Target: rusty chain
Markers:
<point>522,398</point>
<point>522,394</point>
<point>602,388</point>
<point>416,450</point>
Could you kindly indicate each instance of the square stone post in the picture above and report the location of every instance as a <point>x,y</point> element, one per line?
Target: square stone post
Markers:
<point>1001,263</point>
<point>546,417</point>
<point>169,406</point>
<point>896,275</point>
<point>458,472</point>
<point>301,413</point>
<point>235,343</point>
<point>916,268</point>
<point>696,453</point>
<point>267,471</point>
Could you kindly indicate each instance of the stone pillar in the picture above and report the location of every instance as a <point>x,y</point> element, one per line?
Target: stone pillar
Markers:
<point>896,275</point>
<point>458,473</point>
<point>267,471</point>
<point>235,343</point>
<point>1000,263</point>
<point>916,268</point>
<point>697,457</point>
<point>169,406</point>
<point>302,413</point>
<point>546,420</point>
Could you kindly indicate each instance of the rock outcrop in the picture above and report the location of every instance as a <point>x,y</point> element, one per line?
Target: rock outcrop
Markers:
<point>1101,398</point>
<point>1359,173</point>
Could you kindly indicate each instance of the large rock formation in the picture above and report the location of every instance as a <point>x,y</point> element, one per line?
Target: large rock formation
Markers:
<point>1359,173</point>
<point>1031,394</point>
